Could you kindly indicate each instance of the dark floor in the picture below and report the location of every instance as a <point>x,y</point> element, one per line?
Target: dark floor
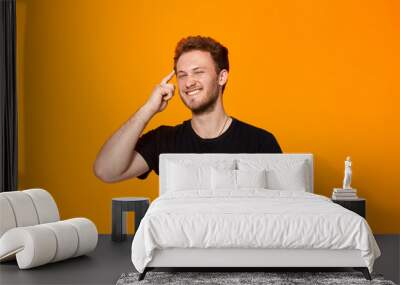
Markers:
<point>111,259</point>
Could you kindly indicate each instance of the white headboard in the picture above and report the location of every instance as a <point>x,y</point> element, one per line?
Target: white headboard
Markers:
<point>308,157</point>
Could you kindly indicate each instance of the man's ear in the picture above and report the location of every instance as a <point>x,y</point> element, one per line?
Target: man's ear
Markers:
<point>223,77</point>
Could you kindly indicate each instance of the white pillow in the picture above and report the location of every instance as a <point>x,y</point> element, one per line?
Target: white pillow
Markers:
<point>188,175</point>
<point>251,178</point>
<point>236,179</point>
<point>223,179</point>
<point>282,174</point>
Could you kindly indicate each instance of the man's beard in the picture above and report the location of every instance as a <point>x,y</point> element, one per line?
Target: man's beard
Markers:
<point>206,106</point>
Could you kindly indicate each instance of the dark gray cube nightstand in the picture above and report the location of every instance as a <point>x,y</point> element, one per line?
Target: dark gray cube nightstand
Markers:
<point>119,208</point>
<point>356,205</point>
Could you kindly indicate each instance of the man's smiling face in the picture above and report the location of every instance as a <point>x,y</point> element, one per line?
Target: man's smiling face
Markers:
<point>197,80</point>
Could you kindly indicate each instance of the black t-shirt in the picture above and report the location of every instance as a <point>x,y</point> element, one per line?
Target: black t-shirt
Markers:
<point>240,137</point>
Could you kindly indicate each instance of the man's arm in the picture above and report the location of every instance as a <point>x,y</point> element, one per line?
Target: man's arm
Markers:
<point>117,159</point>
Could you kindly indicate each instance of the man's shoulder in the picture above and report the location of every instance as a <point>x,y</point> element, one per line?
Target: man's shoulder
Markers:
<point>170,129</point>
<point>267,142</point>
<point>253,129</point>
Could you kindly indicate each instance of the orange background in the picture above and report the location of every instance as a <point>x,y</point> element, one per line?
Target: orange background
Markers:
<point>322,76</point>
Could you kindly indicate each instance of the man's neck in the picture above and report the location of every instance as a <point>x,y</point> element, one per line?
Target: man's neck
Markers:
<point>210,125</point>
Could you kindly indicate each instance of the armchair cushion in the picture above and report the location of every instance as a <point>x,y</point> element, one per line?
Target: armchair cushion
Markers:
<point>51,242</point>
<point>31,231</point>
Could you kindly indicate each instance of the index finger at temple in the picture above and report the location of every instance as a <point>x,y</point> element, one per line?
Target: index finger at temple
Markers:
<point>168,77</point>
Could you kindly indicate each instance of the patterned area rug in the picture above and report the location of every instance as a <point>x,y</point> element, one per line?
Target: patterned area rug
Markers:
<point>225,278</point>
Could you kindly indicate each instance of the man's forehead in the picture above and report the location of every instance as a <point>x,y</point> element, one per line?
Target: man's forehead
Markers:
<point>195,67</point>
<point>194,60</point>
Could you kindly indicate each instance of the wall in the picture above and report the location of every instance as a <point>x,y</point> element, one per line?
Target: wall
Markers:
<point>323,77</point>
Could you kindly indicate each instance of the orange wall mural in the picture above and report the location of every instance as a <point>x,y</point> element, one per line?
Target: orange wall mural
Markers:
<point>323,77</point>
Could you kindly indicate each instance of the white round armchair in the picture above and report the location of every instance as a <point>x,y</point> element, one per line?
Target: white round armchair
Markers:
<point>32,233</point>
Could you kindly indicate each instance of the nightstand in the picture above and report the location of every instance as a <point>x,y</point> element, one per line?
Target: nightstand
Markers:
<point>119,208</point>
<point>356,205</point>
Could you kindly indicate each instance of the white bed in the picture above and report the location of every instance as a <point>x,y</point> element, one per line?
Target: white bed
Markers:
<point>202,220</point>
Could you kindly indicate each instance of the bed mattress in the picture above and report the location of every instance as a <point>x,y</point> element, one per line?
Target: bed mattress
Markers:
<point>250,219</point>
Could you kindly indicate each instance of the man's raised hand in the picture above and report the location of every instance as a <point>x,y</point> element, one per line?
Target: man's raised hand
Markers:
<point>161,94</point>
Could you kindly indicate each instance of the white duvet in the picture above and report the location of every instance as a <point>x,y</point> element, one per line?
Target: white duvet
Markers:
<point>250,218</point>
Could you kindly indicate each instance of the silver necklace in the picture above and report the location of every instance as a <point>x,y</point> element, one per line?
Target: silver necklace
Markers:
<point>223,126</point>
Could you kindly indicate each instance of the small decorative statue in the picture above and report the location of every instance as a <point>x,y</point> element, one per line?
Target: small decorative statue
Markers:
<point>347,173</point>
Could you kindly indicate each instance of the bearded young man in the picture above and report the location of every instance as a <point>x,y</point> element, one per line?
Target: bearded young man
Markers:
<point>201,66</point>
